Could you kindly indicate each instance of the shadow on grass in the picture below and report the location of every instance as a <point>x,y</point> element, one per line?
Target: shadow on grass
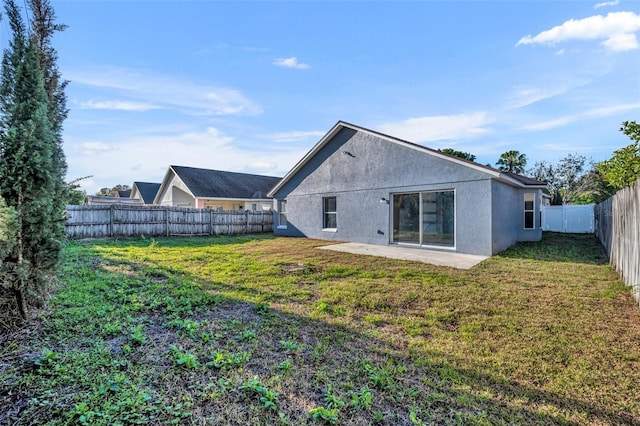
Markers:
<point>331,357</point>
<point>558,247</point>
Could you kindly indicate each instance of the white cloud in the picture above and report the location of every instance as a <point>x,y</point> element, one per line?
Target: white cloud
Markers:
<point>91,148</point>
<point>291,62</point>
<point>118,105</point>
<point>147,157</point>
<point>617,29</point>
<point>294,136</point>
<point>606,4</point>
<point>589,114</point>
<point>263,166</point>
<point>524,96</point>
<point>621,42</point>
<point>165,91</point>
<point>435,128</point>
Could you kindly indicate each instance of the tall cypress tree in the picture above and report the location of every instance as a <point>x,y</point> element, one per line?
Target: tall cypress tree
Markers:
<point>44,27</point>
<point>29,170</point>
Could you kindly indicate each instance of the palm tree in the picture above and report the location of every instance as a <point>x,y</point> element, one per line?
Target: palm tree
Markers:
<point>512,161</point>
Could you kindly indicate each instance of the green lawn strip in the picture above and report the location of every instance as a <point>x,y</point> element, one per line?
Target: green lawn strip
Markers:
<point>263,330</point>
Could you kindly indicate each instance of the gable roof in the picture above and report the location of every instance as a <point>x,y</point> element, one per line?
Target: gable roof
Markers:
<point>507,177</point>
<point>206,183</point>
<point>147,190</point>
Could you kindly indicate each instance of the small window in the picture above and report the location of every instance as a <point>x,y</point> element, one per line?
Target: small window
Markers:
<point>282,213</point>
<point>529,210</point>
<point>329,213</point>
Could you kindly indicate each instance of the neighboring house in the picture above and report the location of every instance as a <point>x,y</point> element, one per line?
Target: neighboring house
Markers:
<point>215,189</point>
<point>124,193</point>
<point>145,191</point>
<point>98,200</point>
<point>362,186</point>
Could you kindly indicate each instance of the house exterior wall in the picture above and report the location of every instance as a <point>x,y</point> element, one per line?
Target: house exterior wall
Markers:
<point>359,169</point>
<point>176,193</point>
<point>233,204</point>
<point>508,216</point>
<point>135,194</point>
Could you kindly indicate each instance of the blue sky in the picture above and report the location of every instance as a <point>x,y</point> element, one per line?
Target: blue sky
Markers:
<point>252,86</point>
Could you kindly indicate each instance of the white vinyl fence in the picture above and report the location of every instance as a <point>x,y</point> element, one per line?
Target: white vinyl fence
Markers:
<point>99,221</point>
<point>578,219</point>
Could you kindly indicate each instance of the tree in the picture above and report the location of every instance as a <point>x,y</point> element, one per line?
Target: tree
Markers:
<point>31,162</point>
<point>623,168</point>
<point>512,162</point>
<point>573,180</point>
<point>112,192</point>
<point>73,194</point>
<point>7,230</point>
<point>459,154</point>
<point>43,28</point>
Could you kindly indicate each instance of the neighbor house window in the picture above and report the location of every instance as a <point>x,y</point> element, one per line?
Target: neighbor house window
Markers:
<point>282,213</point>
<point>329,213</point>
<point>529,210</point>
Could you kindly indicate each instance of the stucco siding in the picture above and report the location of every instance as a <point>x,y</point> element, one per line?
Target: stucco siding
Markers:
<point>508,216</point>
<point>360,169</point>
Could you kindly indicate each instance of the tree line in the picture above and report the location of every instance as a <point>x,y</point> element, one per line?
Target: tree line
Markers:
<point>575,179</point>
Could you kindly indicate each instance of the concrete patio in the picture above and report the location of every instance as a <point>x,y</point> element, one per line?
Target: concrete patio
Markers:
<point>440,258</point>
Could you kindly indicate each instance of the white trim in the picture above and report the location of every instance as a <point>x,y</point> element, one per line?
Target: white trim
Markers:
<point>164,183</point>
<point>525,211</point>
<point>329,229</point>
<point>279,214</point>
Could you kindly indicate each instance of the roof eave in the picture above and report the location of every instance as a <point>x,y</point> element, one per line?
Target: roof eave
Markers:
<point>165,181</point>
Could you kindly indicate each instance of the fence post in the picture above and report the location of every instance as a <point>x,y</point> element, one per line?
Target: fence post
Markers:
<point>246,228</point>
<point>111,209</point>
<point>210,221</point>
<point>166,221</point>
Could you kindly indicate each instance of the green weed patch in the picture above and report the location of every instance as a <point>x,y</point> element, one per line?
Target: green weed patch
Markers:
<point>263,330</point>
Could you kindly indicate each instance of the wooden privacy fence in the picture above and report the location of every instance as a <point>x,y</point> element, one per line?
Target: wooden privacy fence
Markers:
<point>99,221</point>
<point>618,229</point>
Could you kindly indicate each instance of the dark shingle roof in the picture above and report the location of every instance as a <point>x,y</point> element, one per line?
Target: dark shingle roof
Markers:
<point>524,180</point>
<point>147,191</point>
<point>218,184</point>
<point>124,193</point>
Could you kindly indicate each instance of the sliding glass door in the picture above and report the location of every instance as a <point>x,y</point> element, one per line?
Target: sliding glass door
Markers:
<point>406,218</point>
<point>426,218</point>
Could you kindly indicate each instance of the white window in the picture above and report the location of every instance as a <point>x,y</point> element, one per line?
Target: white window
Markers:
<point>282,213</point>
<point>529,210</point>
<point>329,208</point>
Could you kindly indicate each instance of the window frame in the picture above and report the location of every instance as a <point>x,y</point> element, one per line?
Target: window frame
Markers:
<point>420,233</point>
<point>282,214</point>
<point>326,213</point>
<point>529,213</point>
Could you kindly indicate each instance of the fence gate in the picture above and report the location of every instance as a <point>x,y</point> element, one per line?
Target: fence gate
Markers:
<point>578,219</point>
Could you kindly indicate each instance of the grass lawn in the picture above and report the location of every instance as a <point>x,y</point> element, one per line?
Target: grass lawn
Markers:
<point>264,330</point>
